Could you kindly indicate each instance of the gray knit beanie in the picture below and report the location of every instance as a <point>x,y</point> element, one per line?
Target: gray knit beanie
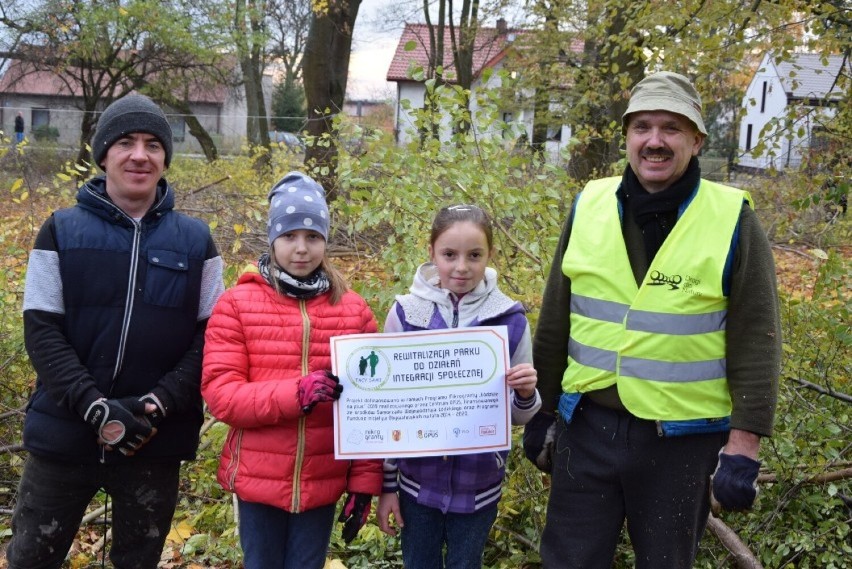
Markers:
<point>297,202</point>
<point>133,113</point>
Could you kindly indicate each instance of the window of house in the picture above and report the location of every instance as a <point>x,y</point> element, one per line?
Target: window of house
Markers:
<point>748,137</point>
<point>40,117</point>
<point>763,98</point>
<point>508,117</point>
<point>178,128</point>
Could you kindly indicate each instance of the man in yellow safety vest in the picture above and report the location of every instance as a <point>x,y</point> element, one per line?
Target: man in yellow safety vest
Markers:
<point>658,348</point>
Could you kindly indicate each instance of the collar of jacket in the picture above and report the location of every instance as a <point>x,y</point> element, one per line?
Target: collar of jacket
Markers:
<point>93,196</point>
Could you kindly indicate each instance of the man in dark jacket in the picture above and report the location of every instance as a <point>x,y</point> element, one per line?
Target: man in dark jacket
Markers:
<point>118,292</point>
<point>19,128</point>
<point>658,348</point>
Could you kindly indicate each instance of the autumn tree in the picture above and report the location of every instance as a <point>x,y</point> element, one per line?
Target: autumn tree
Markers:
<point>104,50</point>
<point>251,37</point>
<point>326,69</point>
<point>289,21</point>
<point>586,57</point>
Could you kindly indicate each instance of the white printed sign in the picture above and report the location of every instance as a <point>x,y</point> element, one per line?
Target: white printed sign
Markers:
<point>430,393</point>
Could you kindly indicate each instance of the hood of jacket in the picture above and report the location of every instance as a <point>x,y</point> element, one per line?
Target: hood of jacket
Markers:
<point>484,302</point>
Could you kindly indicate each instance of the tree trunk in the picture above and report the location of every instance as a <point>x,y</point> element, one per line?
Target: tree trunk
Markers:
<point>200,133</point>
<point>87,129</point>
<point>325,69</point>
<point>593,158</point>
<point>249,28</point>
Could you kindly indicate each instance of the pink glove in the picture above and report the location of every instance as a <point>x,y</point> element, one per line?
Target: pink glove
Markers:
<point>317,386</point>
<point>354,514</point>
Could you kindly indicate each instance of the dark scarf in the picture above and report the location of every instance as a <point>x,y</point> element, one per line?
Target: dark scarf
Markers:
<point>656,214</point>
<point>307,287</point>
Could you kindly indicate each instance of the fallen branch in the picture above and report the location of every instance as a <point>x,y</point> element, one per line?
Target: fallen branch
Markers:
<point>93,515</point>
<point>210,185</point>
<point>842,474</point>
<point>19,411</point>
<point>516,536</point>
<point>823,390</point>
<point>796,251</point>
<point>11,449</point>
<point>743,557</point>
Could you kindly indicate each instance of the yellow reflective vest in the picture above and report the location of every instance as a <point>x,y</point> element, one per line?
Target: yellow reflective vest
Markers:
<point>663,342</point>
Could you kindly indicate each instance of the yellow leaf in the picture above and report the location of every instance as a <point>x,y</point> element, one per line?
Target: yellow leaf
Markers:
<point>180,533</point>
<point>16,185</point>
<point>334,564</point>
<point>239,228</point>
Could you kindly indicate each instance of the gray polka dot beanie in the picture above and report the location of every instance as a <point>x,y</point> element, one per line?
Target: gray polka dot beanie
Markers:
<point>297,202</point>
<point>129,114</point>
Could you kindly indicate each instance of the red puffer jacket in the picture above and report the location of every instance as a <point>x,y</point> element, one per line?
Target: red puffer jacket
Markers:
<point>258,346</point>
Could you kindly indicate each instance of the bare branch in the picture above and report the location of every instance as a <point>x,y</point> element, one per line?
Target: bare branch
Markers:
<point>743,557</point>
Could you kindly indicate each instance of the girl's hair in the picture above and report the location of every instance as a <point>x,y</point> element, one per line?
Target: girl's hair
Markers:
<point>338,283</point>
<point>449,215</point>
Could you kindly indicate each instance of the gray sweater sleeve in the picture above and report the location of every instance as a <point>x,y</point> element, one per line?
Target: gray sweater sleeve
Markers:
<point>753,330</point>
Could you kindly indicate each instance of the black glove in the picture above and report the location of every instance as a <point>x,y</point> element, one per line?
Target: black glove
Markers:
<point>734,483</point>
<point>317,386</point>
<point>354,514</point>
<point>539,434</point>
<point>155,417</point>
<point>134,433</point>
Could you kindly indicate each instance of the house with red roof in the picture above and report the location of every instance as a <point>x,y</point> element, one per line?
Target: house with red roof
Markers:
<point>491,48</point>
<point>785,105</point>
<point>50,101</point>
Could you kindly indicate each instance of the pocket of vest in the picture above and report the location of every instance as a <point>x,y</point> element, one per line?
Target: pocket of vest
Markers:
<point>166,280</point>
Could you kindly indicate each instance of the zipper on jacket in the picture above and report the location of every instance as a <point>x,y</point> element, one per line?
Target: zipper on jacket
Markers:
<point>128,301</point>
<point>300,435</point>
<point>131,280</point>
<point>235,459</point>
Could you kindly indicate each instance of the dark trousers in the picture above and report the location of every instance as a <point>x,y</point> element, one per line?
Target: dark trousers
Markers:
<point>609,466</point>
<point>273,538</point>
<point>428,530</point>
<point>53,496</point>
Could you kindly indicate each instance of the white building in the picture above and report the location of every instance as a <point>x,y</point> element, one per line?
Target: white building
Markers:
<point>786,104</point>
<point>492,45</point>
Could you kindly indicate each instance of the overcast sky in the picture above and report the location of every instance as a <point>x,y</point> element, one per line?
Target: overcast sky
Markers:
<point>377,31</point>
<point>373,44</point>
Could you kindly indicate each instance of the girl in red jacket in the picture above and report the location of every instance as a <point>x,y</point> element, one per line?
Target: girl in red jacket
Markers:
<point>266,374</point>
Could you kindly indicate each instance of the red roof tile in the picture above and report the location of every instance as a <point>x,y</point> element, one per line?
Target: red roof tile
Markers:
<point>21,79</point>
<point>489,46</point>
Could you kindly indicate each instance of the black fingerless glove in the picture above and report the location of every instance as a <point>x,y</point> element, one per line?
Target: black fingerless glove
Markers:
<point>156,417</point>
<point>133,432</point>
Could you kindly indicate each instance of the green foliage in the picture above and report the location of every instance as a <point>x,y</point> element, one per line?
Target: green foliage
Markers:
<point>799,521</point>
<point>46,133</point>
<point>799,207</point>
<point>288,107</point>
<point>389,196</point>
<point>381,219</point>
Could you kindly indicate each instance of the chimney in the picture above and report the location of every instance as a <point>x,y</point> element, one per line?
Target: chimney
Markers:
<point>501,26</point>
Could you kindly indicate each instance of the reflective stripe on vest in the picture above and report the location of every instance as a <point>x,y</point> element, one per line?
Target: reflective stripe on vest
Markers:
<point>662,343</point>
